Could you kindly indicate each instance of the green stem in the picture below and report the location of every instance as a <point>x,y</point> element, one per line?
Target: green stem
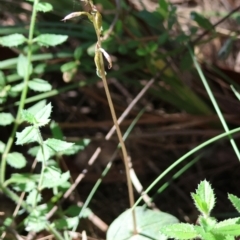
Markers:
<point>22,99</point>
<point>214,102</point>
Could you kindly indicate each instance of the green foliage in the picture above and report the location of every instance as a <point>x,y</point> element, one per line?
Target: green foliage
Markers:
<point>148,224</point>
<point>209,228</point>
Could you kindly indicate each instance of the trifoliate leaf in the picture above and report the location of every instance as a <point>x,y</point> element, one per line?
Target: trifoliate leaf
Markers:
<point>39,85</point>
<point>50,39</point>
<point>16,160</point>
<point>12,40</point>
<point>6,119</point>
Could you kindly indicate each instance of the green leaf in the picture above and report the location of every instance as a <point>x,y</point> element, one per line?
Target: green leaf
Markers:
<point>17,88</point>
<point>228,227</point>
<point>54,178</point>
<point>78,53</point>
<point>37,107</point>
<point>78,146</point>
<point>43,115</point>
<point>33,151</point>
<point>29,134</point>
<point>6,119</point>
<point>58,145</point>
<point>2,146</point>
<point>28,117</point>
<point>207,223</point>
<point>44,153</point>
<point>36,221</point>
<point>24,187</point>
<point>179,231</point>
<point>56,130</point>
<point>23,67</point>
<point>201,21</point>
<point>44,7</point>
<point>204,198</point>
<point>24,177</point>
<point>16,160</point>
<point>66,223</point>
<point>235,201</point>
<point>68,66</point>
<point>39,85</point>
<point>12,40</point>
<point>50,39</point>
<point>33,197</point>
<point>149,222</point>
<point>163,8</point>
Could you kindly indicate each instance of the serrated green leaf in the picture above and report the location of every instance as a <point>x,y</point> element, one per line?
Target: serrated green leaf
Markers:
<point>33,197</point>
<point>51,39</point>
<point>2,146</point>
<point>12,40</point>
<point>37,107</point>
<point>43,115</point>
<point>39,85</point>
<point>204,197</point>
<point>229,238</point>
<point>66,223</point>
<point>23,67</point>
<point>16,160</point>
<point>68,66</point>
<point>179,231</point>
<point>200,205</point>
<point>235,201</point>
<point>44,7</point>
<point>229,227</point>
<point>29,134</point>
<point>6,119</point>
<point>28,117</point>
<point>58,145</point>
